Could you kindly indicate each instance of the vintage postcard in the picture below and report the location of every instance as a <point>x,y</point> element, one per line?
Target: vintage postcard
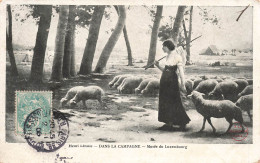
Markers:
<point>130,81</point>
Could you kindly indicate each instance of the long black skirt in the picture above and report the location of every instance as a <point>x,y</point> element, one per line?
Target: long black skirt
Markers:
<point>170,105</point>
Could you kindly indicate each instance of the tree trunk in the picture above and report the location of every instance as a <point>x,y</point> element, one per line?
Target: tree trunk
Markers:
<point>9,43</point>
<point>56,74</point>
<point>129,51</point>
<point>190,30</point>
<point>154,35</point>
<point>69,47</point>
<point>90,48</point>
<point>187,40</point>
<point>177,24</point>
<point>41,43</point>
<point>128,47</point>
<point>101,65</point>
<point>73,63</point>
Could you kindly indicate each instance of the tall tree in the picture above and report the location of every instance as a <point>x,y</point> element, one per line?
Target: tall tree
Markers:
<point>154,35</point>
<point>45,12</point>
<point>128,47</point>
<point>56,74</point>
<point>189,36</point>
<point>101,65</point>
<point>69,47</point>
<point>177,23</point>
<point>9,43</point>
<point>90,48</point>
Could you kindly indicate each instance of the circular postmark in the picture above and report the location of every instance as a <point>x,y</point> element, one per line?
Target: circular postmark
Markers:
<point>35,131</point>
<point>238,132</point>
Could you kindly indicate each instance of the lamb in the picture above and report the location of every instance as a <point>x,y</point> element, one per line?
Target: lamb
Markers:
<point>248,90</point>
<point>246,104</point>
<point>152,88</point>
<point>225,90</point>
<point>129,84</point>
<point>142,85</point>
<point>189,86</point>
<point>115,79</point>
<point>86,93</point>
<point>242,83</point>
<point>70,94</point>
<point>120,80</point>
<point>196,82</point>
<point>206,86</point>
<point>217,109</point>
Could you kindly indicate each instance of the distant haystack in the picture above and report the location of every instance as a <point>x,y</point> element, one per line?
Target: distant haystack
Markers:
<point>211,50</point>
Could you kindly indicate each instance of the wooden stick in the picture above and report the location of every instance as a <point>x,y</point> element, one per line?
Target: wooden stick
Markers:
<point>165,56</point>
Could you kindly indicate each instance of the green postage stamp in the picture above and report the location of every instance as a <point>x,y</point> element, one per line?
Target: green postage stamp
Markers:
<point>29,101</point>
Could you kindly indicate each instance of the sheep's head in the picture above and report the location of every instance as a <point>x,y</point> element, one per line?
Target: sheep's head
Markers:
<point>110,84</point>
<point>63,102</point>
<point>215,96</point>
<point>73,103</point>
<point>196,96</point>
<point>125,90</point>
<point>137,90</point>
<point>144,91</point>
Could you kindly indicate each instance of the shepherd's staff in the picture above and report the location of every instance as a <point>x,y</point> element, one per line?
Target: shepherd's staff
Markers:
<point>165,56</point>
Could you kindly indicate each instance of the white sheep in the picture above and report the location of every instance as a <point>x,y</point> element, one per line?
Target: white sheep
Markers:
<point>217,109</point>
<point>86,93</point>
<point>70,94</point>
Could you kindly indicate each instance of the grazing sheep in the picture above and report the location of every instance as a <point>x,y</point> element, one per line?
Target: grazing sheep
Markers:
<point>196,82</point>
<point>248,90</point>
<point>225,90</point>
<point>242,83</point>
<point>129,84</point>
<point>152,88</point>
<point>246,104</point>
<point>217,109</point>
<point>250,81</point>
<point>115,79</point>
<point>142,85</point>
<point>189,86</point>
<point>206,86</point>
<point>86,93</point>
<point>70,94</point>
<point>120,80</point>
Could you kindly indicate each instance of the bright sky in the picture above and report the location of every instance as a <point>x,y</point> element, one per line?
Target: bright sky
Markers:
<point>232,34</point>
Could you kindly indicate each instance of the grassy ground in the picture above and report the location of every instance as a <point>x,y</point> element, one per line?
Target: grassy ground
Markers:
<point>129,118</point>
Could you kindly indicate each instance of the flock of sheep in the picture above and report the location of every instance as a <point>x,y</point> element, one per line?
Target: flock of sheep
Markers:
<point>128,84</point>
<point>219,97</point>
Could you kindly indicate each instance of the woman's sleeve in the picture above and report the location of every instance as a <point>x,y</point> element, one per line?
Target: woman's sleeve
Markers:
<point>179,61</point>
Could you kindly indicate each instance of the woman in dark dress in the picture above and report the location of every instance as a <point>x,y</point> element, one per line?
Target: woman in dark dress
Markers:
<point>171,110</point>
